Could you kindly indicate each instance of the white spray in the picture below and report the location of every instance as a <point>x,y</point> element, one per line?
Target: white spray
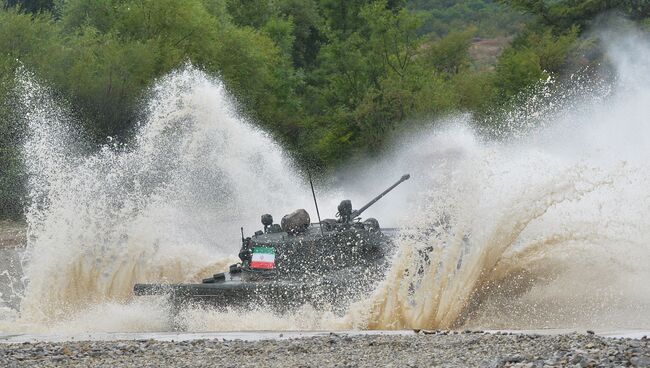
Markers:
<point>547,228</point>
<point>167,208</point>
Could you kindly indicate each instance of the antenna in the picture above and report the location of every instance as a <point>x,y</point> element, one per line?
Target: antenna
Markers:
<point>315,202</point>
<point>242,236</point>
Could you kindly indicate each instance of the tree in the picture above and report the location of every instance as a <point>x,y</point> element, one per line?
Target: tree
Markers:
<point>32,39</point>
<point>253,13</point>
<point>307,31</point>
<point>564,14</point>
<point>451,53</point>
<point>11,177</point>
<point>31,6</point>
<point>516,70</point>
<point>392,35</point>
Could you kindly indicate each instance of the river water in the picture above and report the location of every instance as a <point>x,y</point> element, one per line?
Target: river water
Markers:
<point>545,219</point>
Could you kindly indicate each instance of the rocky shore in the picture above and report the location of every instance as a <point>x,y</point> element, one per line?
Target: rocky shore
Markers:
<point>435,349</point>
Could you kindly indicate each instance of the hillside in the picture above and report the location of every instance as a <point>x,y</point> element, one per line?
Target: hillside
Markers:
<point>330,80</point>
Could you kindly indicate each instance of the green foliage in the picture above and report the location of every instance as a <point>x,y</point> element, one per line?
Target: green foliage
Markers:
<point>451,53</point>
<point>489,17</point>
<point>475,91</point>
<point>307,30</point>
<point>253,13</point>
<point>392,36</point>
<point>551,50</point>
<point>331,79</point>
<point>367,77</point>
<point>516,70</point>
<point>645,24</point>
<point>281,31</point>
<point>564,14</point>
<point>33,41</point>
<point>31,6</point>
<point>104,79</point>
<point>342,17</point>
<point>99,14</point>
<point>11,178</point>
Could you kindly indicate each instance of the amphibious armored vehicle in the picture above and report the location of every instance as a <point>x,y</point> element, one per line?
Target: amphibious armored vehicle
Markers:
<point>297,262</point>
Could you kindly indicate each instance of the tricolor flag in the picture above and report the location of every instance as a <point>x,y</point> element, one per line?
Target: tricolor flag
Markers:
<point>263,258</point>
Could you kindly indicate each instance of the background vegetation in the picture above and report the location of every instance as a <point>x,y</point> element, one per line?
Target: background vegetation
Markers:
<point>331,79</point>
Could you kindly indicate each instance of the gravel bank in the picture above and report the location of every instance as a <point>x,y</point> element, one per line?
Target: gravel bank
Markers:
<point>469,349</point>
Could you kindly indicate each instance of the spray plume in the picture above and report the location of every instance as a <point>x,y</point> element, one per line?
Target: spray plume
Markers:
<point>543,228</point>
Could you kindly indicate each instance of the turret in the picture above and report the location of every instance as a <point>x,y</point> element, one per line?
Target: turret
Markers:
<point>346,213</point>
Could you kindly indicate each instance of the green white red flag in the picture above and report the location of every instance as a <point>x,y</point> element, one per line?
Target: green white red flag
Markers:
<point>263,258</point>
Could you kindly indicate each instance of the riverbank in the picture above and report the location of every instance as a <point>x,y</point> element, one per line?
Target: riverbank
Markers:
<point>476,349</point>
<point>12,233</point>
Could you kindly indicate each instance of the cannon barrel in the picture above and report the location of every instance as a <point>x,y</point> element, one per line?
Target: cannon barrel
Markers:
<point>357,213</point>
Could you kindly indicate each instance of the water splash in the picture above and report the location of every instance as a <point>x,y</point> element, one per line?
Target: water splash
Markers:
<point>547,228</point>
<point>167,207</point>
<point>544,227</point>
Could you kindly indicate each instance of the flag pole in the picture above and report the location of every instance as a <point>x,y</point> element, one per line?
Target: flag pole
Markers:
<point>315,202</point>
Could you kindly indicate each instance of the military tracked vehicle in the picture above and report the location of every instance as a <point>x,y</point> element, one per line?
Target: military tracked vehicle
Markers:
<point>296,262</point>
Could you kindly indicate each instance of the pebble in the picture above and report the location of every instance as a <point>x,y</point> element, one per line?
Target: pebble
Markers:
<point>446,349</point>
